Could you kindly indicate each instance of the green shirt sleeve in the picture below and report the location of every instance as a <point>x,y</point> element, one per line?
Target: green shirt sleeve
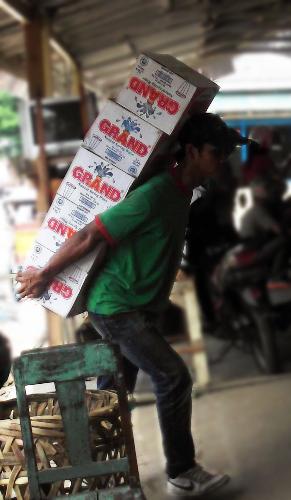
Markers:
<point>123,219</point>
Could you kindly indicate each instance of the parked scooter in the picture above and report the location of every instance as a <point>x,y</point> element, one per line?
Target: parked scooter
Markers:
<point>248,305</point>
<point>242,300</point>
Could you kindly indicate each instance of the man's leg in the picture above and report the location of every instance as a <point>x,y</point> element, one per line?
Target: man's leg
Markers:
<point>130,371</point>
<point>141,343</point>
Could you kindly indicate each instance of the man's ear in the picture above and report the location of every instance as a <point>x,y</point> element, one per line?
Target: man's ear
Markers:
<point>191,152</point>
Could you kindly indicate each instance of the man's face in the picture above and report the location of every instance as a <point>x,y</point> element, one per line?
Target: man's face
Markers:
<point>209,160</point>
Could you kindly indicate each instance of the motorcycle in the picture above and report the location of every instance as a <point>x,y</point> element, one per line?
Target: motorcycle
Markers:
<point>249,306</point>
<point>239,301</point>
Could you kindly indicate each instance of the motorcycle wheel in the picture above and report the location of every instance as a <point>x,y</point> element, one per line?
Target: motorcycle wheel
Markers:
<point>264,345</point>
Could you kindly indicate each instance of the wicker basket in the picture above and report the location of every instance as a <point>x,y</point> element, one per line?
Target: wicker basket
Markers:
<point>47,429</point>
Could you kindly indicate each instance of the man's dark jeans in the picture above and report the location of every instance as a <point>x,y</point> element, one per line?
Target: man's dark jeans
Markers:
<point>143,346</point>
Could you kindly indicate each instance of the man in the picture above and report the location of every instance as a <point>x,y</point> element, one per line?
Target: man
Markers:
<point>210,226</point>
<point>145,235</point>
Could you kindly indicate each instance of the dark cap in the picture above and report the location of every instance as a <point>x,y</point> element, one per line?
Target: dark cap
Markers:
<point>209,128</point>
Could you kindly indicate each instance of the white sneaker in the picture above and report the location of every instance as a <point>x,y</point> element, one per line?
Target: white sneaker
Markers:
<point>195,482</point>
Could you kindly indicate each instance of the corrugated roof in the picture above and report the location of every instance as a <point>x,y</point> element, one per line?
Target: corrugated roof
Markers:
<point>104,37</point>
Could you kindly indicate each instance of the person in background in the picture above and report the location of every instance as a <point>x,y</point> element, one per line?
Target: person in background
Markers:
<point>144,235</point>
<point>210,227</point>
<point>258,164</point>
<point>261,221</point>
<point>266,224</point>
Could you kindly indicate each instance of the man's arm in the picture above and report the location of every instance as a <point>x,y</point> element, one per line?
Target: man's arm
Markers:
<point>111,226</point>
<point>35,282</point>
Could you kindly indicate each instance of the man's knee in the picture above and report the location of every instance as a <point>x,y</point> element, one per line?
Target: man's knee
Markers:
<point>186,381</point>
<point>181,380</point>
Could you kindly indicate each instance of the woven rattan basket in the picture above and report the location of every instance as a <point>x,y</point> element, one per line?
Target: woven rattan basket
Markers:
<point>106,438</point>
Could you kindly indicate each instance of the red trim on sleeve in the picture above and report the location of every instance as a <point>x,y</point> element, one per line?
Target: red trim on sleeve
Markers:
<point>104,232</point>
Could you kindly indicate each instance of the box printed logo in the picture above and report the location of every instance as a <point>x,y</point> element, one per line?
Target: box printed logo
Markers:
<point>125,134</point>
<point>121,138</point>
<point>60,228</point>
<point>101,169</point>
<point>94,183</point>
<point>156,100</point>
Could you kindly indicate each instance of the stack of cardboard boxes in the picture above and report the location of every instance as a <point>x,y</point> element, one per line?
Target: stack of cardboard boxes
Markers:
<point>123,140</point>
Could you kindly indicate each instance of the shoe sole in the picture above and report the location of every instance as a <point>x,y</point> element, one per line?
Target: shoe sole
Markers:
<point>176,491</point>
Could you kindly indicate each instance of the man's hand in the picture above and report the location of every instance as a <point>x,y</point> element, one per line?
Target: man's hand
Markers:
<point>33,283</point>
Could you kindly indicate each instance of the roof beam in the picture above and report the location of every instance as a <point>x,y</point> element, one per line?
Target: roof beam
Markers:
<point>113,70</point>
<point>131,10</point>
<point>251,49</point>
<point>56,3</point>
<point>18,11</point>
<point>59,47</point>
<point>109,63</point>
<point>100,57</point>
<point>132,45</point>
<point>114,63</point>
<point>148,39</point>
<point>230,7</point>
<point>134,26</point>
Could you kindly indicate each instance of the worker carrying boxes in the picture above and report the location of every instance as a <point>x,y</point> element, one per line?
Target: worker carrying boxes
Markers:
<point>142,234</point>
<point>123,141</point>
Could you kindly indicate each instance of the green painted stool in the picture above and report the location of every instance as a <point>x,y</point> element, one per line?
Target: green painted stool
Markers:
<point>68,366</point>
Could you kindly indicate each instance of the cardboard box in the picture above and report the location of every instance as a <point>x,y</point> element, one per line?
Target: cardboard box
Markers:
<point>90,186</point>
<point>63,291</point>
<point>93,183</point>
<point>50,238</point>
<point>164,91</point>
<point>122,138</point>
<point>65,288</point>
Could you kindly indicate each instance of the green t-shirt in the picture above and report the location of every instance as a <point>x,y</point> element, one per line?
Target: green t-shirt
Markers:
<point>146,233</point>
